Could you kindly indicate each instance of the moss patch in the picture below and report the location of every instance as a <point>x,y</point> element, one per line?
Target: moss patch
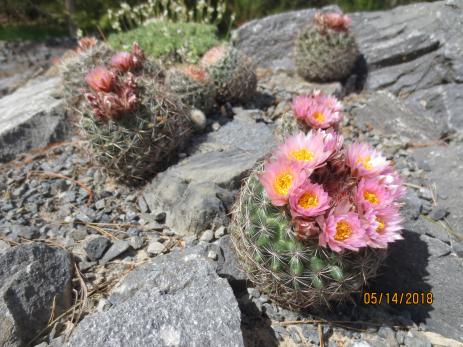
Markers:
<point>176,42</point>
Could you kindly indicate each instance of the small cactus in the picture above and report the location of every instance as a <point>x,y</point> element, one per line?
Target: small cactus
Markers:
<point>193,86</point>
<point>133,124</point>
<point>232,73</point>
<point>312,224</point>
<point>326,50</point>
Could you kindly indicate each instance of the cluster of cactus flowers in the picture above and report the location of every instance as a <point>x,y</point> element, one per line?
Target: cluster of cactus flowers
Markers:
<point>133,124</point>
<point>313,222</point>
<point>326,50</point>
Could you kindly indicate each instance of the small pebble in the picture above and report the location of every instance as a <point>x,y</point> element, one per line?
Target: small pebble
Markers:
<point>155,247</point>
<point>207,236</point>
<point>219,232</point>
<point>212,255</point>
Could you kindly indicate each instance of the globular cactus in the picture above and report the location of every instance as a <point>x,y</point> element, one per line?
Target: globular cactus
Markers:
<point>312,225</point>
<point>134,125</point>
<point>326,50</point>
<point>232,73</point>
<point>193,86</point>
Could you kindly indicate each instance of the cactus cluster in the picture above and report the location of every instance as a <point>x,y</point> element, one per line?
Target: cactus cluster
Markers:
<point>232,73</point>
<point>313,223</point>
<point>193,86</point>
<point>132,122</point>
<point>326,50</point>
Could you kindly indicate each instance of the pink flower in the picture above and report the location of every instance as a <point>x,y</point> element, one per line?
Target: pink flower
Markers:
<point>212,56</point>
<point>195,72</point>
<point>391,179</point>
<point>383,226</point>
<point>123,61</point>
<point>333,20</point>
<point>100,79</point>
<point>372,194</point>
<point>318,110</point>
<point>363,160</point>
<point>343,231</point>
<point>307,151</point>
<point>138,53</point>
<point>86,43</point>
<point>308,200</point>
<point>279,179</point>
<point>305,229</point>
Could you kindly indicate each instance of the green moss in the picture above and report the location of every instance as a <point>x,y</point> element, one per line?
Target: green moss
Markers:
<point>179,42</point>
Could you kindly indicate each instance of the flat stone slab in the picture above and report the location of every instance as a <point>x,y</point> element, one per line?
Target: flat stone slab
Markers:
<point>32,116</point>
<point>175,300</point>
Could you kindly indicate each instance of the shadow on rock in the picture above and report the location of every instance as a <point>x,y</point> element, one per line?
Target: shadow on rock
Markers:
<point>358,77</point>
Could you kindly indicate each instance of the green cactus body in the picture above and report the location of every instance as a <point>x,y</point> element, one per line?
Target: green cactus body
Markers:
<point>232,73</point>
<point>288,125</point>
<point>193,86</point>
<point>295,273</point>
<point>324,55</point>
<point>137,145</point>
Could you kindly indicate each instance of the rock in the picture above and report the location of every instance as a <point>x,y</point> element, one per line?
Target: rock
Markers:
<point>31,117</point>
<point>387,114</point>
<point>23,231</point>
<point>33,279</point>
<point>136,242</point>
<point>95,246</point>
<point>199,190</point>
<point>219,232</point>
<point>155,247</point>
<point>207,236</point>
<point>117,248</point>
<point>269,41</point>
<point>228,265</point>
<point>4,246</point>
<point>438,213</point>
<point>169,296</point>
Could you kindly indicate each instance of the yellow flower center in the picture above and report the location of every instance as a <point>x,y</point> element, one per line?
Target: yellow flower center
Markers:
<point>302,155</point>
<point>283,183</point>
<point>381,225</point>
<point>371,197</point>
<point>308,200</point>
<point>319,117</point>
<point>343,231</point>
<point>366,162</point>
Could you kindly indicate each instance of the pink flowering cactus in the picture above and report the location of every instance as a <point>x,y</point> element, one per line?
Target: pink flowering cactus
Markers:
<point>128,61</point>
<point>318,110</point>
<point>344,198</point>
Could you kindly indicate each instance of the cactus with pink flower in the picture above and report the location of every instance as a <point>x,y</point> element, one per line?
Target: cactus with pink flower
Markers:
<point>134,124</point>
<point>326,50</point>
<point>313,223</point>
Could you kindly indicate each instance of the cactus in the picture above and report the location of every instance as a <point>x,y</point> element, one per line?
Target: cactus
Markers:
<point>295,273</point>
<point>193,86</point>
<point>326,51</point>
<point>232,73</point>
<point>313,223</point>
<point>133,124</point>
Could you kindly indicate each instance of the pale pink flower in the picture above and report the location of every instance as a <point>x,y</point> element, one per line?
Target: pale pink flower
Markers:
<point>383,226</point>
<point>393,183</point>
<point>86,43</point>
<point>308,200</point>
<point>138,53</point>
<point>371,193</point>
<point>333,141</point>
<point>363,160</point>
<point>195,72</point>
<point>333,20</point>
<point>318,110</point>
<point>307,151</point>
<point>343,231</point>
<point>100,79</point>
<point>279,179</point>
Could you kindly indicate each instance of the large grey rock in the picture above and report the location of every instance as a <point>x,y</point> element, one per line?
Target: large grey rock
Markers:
<point>33,279</point>
<point>197,192</point>
<point>33,116</point>
<point>175,300</point>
